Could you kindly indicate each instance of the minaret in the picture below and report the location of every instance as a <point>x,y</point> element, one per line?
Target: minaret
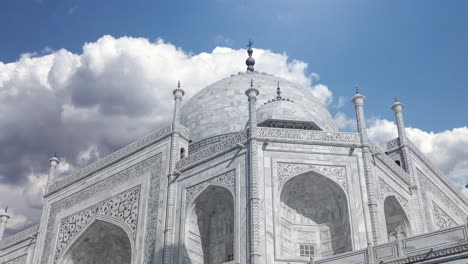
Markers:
<point>358,100</point>
<point>54,162</point>
<point>397,108</point>
<point>3,221</point>
<point>171,178</point>
<point>255,205</point>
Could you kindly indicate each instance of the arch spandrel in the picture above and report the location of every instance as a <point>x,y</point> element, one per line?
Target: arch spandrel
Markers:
<point>287,171</point>
<point>385,190</point>
<point>103,240</point>
<point>314,217</point>
<point>227,180</point>
<point>209,232</point>
<point>396,220</point>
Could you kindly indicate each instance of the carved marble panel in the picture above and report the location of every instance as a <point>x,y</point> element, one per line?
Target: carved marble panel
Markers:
<point>227,179</point>
<point>336,173</point>
<point>429,186</point>
<point>385,190</point>
<point>442,219</point>
<point>152,165</point>
<point>394,143</point>
<point>212,149</point>
<point>111,158</point>
<point>123,206</point>
<point>308,135</point>
<point>385,159</point>
<point>19,236</point>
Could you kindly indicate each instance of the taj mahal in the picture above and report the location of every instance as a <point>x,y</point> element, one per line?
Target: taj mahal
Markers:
<point>252,169</point>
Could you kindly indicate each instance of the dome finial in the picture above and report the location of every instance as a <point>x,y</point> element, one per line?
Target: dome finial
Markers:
<point>278,97</point>
<point>250,61</point>
<point>278,92</point>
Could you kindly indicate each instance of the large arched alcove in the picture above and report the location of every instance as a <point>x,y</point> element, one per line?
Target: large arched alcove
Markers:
<point>395,219</point>
<point>101,243</point>
<point>210,236</point>
<point>314,217</point>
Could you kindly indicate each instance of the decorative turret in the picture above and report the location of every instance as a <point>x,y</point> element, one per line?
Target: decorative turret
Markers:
<point>397,108</point>
<point>358,100</point>
<point>278,96</point>
<point>256,181</point>
<point>178,94</point>
<point>171,178</point>
<point>54,161</point>
<point>250,61</point>
<point>3,221</point>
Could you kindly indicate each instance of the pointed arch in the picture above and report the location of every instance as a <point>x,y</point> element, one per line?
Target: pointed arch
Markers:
<point>210,226</point>
<point>104,240</point>
<point>396,221</point>
<point>314,217</point>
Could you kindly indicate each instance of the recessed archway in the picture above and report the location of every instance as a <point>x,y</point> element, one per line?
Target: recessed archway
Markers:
<point>210,232</point>
<point>395,219</point>
<point>314,219</point>
<point>101,243</point>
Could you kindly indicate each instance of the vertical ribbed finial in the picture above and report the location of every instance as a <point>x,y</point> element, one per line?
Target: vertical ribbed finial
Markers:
<point>278,92</point>
<point>396,99</point>
<point>178,84</point>
<point>357,89</point>
<point>250,61</point>
<point>6,209</point>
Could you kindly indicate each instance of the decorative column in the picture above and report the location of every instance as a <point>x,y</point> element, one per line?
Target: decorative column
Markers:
<point>171,177</point>
<point>397,108</point>
<point>3,221</point>
<point>358,100</point>
<point>256,221</point>
<point>54,162</point>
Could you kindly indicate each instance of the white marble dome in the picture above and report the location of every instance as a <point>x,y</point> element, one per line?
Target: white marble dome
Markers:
<point>222,107</point>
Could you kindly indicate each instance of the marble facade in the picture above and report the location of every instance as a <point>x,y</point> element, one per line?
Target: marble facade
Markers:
<point>219,186</point>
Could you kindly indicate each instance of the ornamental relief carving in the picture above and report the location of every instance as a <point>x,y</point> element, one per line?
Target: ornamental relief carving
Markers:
<point>152,165</point>
<point>212,149</point>
<point>123,206</point>
<point>428,186</point>
<point>337,174</point>
<point>386,190</point>
<point>442,219</point>
<point>227,179</point>
<point>308,135</point>
<point>111,158</point>
<point>394,143</point>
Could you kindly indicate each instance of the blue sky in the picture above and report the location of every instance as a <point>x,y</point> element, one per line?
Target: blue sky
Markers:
<point>414,49</point>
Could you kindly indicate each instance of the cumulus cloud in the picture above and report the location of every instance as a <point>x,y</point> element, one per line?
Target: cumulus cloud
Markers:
<point>86,105</point>
<point>446,149</point>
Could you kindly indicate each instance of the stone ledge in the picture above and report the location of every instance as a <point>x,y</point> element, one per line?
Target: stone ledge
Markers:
<point>19,237</point>
<point>111,159</point>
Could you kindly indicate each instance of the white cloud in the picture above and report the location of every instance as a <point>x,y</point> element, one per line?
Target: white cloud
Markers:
<point>84,106</point>
<point>344,123</point>
<point>446,149</point>
<point>322,92</point>
<point>88,104</point>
